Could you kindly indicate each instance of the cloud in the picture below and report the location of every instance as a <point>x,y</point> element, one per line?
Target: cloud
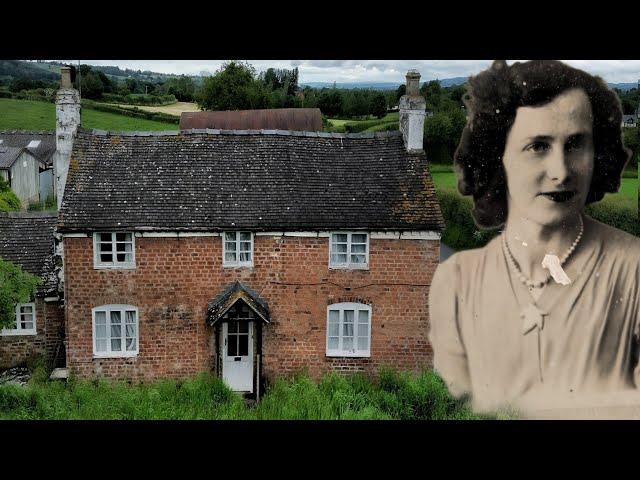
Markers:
<point>614,71</point>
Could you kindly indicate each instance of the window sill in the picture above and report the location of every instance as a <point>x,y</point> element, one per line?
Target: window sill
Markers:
<point>357,266</point>
<point>349,355</point>
<point>115,355</point>
<point>17,333</point>
<point>114,267</point>
<point>240,265</point>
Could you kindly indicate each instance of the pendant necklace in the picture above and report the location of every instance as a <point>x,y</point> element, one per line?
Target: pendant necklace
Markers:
<point>531,315</point>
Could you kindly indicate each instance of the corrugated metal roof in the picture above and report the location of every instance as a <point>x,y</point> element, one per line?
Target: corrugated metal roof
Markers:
<point>297,119</point>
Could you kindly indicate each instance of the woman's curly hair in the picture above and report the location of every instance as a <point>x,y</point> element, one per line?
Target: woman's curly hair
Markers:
<point>492,98</point>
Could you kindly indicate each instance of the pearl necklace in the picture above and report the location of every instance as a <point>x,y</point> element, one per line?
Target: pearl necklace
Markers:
<point>518,272</point>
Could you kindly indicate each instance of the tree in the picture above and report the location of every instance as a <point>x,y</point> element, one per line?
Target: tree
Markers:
<point>379,105</point>
<point>402,90</point>
<point>16,286</point>
<point>330,102</point>
<point>232,87</point>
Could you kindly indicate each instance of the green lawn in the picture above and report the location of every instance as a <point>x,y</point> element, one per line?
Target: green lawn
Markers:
<point>393,396</point>
<point>33,115</point>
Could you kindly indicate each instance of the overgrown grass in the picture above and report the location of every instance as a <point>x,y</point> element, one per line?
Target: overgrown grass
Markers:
<point>392,396</point>
<point>33,115</point>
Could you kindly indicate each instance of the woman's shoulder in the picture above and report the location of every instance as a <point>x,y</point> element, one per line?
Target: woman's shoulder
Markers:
<point>615,242</point>
<point>467,260</point>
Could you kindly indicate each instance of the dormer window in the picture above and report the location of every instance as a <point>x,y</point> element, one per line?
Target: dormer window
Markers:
<point>114,250</point>
<point>349,250</point>
<point>34,144</point>
<point>237,249</point>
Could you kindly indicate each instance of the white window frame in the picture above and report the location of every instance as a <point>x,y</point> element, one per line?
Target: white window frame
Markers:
<point>98,264</point>
<point>349,265</point>
<point>123,341</point>
<point>354,352</point>
<point>18,330</point>
<point>237,262</point>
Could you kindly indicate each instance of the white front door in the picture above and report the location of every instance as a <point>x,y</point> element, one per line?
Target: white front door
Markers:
<point>237,356</point>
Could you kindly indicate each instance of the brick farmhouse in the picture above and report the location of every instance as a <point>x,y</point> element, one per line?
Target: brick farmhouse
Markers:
<point>249,253</point>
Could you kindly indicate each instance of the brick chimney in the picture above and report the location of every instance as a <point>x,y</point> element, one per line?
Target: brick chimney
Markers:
<point>412,108</point>
<point>67,122</point>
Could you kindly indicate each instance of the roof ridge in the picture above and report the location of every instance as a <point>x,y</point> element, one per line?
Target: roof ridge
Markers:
<point>28,132</point>
<point>216,131</point>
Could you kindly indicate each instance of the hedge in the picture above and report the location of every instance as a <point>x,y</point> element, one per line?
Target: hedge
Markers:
<point>139,99</point>
<point>131,112</point>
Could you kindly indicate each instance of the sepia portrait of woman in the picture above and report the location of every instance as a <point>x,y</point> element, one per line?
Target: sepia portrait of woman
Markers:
<point>551,306</point>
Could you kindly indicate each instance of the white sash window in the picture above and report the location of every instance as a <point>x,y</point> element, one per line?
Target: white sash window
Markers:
<point>114,250</point>
<point>115,331</point>
<point>349,250</point>
<point>348,330</point>
<point>237,249</point>
<point>25,323</point>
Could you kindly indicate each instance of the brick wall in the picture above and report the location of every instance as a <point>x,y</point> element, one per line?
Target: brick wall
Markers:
<point>175,278</point>
<point>20,349</point>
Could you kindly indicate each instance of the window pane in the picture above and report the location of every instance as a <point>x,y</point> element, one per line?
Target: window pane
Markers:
<point>101,331</point>
<point>131,344</point>
<point>338,258</point>
<point>121,257</point>
<point>245,235</point>
<point>130,330</point>
<point>245,246</point>
<point>232,345</point>
<point>230,236</point>
<point>363,343</point>
<point>363,316</point>
<point>243,327</point>
<point>348,316</point>
<point>101,317</point>
<point>101,345</point>
<point>333,343</point>
<point>363,330</point>
<point>116,345</point>
<point>243,348</point>
<point>130,316</point>
<point>347,343</point>
<point>245,257</point>
<point>233,327</point>
<point>116,317</point>
<point>116,331</point>
<point>339,248</point>
<point>230,246</point>
<point>105,237</point>
<point>123,247</point>
<point>339,237</point>
<point>106,257</point>
<point>26,309</point>
<point>27,325</point>
<point>123,237</point>
<point>106,247</point>
<point>334,329</point>
<point>359,238</point>
<point>358,259</point>
<point>229,257</point>
<point>358,248</point>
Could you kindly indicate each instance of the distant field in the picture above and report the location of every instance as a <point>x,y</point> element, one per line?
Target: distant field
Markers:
<point>389,117</point>
<point>32,115</point>
<point>173,109</point>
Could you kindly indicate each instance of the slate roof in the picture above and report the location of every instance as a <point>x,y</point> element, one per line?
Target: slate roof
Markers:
<point>8,156</point>
<point>258,180</point>
<point>21,138</point>
<point>294,119</point>
<point>27,240</point>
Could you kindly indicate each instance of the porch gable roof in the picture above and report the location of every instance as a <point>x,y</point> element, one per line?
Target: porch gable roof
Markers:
<point>232,294</point>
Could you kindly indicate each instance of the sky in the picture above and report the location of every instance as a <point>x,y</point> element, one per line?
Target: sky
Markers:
<point>342,71</point>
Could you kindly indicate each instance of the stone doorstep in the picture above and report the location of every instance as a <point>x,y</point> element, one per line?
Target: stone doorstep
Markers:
<point>59,374</point>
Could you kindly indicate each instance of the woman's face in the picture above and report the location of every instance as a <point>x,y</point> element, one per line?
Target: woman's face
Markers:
<point>548,159</point>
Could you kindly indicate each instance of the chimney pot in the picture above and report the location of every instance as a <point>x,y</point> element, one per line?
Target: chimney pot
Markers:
<point>65,81</point>
<point>413,83</point>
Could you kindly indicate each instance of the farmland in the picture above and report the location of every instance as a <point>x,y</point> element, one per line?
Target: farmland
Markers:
<point>172,109</point>
<point>34,115</point>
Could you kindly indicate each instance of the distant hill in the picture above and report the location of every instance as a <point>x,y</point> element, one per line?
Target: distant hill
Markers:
<point>445,82</point>
<point>624,86</point>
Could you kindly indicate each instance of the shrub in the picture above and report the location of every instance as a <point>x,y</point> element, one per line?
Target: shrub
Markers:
<point>131,112</point>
